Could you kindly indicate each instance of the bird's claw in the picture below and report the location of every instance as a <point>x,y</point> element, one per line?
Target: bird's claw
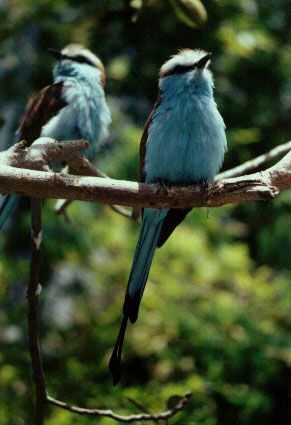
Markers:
<point>163,187</point>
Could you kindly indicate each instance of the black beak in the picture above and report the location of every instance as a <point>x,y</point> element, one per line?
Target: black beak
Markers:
<point>202,63</point>
<point>56,53</point>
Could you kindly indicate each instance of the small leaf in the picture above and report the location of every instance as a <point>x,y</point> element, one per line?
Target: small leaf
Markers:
<point>191,12</point>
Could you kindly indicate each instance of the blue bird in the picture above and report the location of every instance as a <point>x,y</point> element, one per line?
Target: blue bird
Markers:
<point>73,107</point>
<point>183,143</point>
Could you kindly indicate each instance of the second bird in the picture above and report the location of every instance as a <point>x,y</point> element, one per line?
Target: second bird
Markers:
<point>73,107</point>
<point>183,143</point>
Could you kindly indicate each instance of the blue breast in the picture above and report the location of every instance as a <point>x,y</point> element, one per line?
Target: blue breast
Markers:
<point>186,139</point>
<point>86,115</point>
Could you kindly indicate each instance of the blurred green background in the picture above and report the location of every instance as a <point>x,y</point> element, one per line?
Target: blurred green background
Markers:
<point>215,318</point>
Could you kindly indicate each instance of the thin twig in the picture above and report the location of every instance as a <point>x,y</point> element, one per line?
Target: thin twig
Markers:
<point>254,164</point>
<point>33,290</point>
<point>123,212</point>
<point>83,167</point>
<point>62,205</point>
<point>132,418</point>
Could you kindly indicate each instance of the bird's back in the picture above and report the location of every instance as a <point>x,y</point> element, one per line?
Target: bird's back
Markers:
<point>73,107</point>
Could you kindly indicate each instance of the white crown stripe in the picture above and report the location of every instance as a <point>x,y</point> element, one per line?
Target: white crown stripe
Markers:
<point>185,57</point>
<point>73,50</point>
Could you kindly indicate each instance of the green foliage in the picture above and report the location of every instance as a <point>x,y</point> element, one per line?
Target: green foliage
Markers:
<point>215,316</point>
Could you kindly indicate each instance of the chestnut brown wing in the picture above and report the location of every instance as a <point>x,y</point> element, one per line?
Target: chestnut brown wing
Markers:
<point>144,137</point>
<point>40,109</point>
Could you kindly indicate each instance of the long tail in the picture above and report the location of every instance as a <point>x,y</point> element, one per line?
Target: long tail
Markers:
<point>7,208</point>
<point>143,257</point>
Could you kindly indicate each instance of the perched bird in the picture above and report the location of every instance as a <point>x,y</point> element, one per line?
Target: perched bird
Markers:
<point>73,107</point>
<point>183,143</point>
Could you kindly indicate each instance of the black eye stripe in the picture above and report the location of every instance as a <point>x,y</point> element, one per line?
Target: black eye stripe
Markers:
<point>179,69</point>
<point>183,68</point>
<point>79,59</point>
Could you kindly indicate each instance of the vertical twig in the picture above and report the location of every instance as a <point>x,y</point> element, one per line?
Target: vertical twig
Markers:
<point>33,291</point>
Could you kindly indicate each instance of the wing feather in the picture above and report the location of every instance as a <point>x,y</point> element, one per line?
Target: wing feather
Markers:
<point>40,109</point>
<point>144,138</point>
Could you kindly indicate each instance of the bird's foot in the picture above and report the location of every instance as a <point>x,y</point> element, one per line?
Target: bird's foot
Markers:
<point>204,184</point>
<point>163,187</point>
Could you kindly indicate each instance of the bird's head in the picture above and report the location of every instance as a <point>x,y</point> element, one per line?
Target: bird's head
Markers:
<point>78,54</point>
<point>187,68</point>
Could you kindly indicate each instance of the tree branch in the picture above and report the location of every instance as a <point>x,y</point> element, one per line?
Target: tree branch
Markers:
<point>44,184</point>
<point>43,151</point>
<point>132,418</point>
<point>255,187</point>
<point>33,290</point>
<point>255,163</point>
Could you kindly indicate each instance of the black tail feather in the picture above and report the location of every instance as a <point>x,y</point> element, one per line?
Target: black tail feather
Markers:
<point>143,257</point>
<point>115,360</point>
<point>172,220</point>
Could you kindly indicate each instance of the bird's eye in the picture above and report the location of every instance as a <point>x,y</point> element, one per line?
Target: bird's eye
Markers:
<point>178,69</point>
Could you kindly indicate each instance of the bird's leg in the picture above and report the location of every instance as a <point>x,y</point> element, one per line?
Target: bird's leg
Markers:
<point>205,186</point>
<point>163,186</point>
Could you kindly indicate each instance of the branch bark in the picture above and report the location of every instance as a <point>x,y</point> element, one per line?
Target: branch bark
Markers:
<point>33,290</point>
<point>258,186</point>
<point>127,419</point>
<point>255,187</point>
<point>45,184</point>
<point>255,163</point>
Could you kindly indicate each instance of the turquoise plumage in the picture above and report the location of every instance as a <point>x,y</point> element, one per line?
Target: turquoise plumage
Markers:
<point>183,142</point>
<point>73,107</point>
<point>148,238</point>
